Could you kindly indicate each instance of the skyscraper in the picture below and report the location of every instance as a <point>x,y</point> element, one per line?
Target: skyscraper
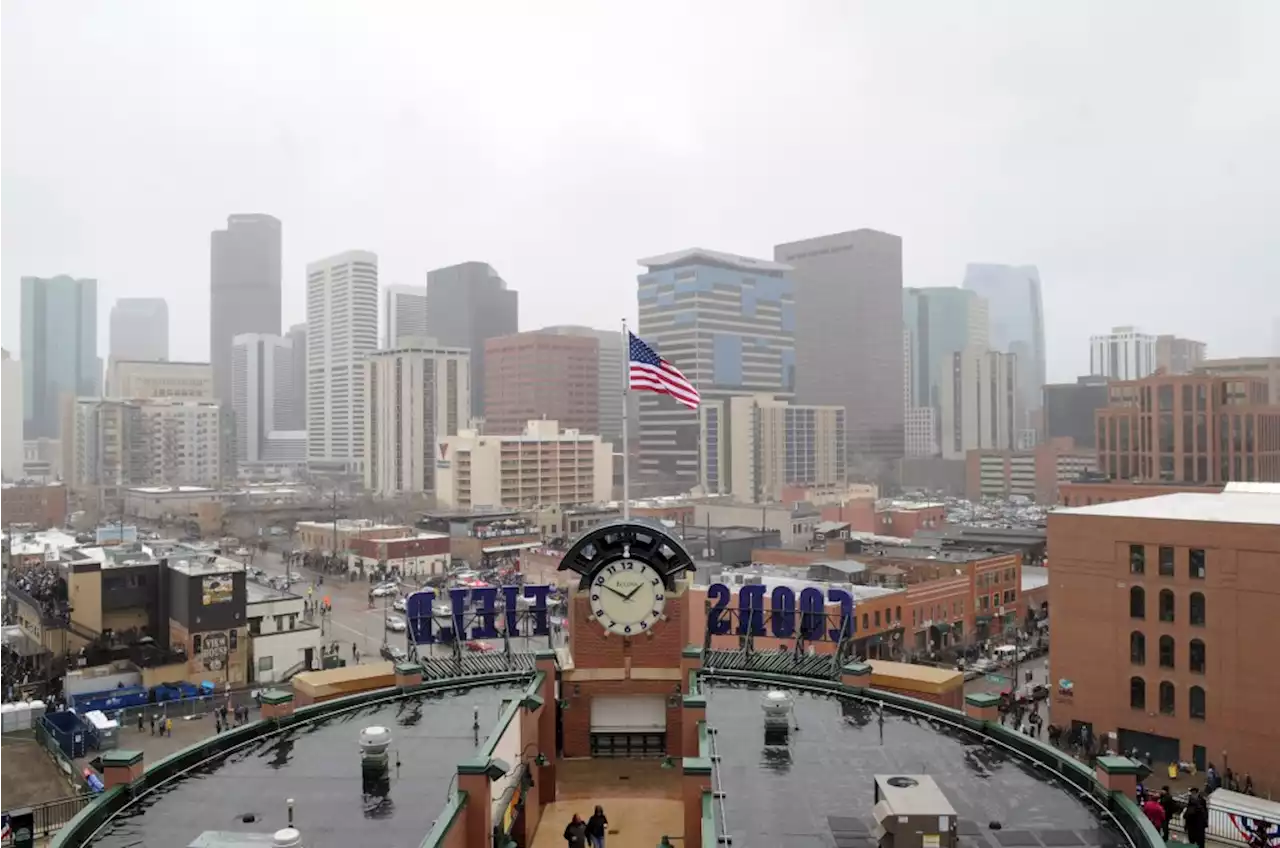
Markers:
<point>941,321</point>
<point>468,304</point>
<point>541,375</point>
<point>59,349</point>
<point>342,330</point>
<point>140,329</point>
<point>609,381</point>
<point>848,331</point>
<point>406,314</point>
<point>1017,322</point>
<point>261,392</point>
<point>979,402</point>
<point>726,322</point>
<point>244,288</point>
<point>1123,354</point>
<point>297,336</point>
<point>14,452</point>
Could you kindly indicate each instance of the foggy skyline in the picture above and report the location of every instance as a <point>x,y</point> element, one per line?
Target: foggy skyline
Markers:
<point>1128,152</point>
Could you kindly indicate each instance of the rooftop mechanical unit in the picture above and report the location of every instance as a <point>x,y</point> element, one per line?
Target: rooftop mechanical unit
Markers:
<point>911,812</point>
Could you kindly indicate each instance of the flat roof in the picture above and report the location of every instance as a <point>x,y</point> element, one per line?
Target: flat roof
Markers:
<point>200,564</point>
<point>1034,577</point>
<point>257,593</point>
<point>172,490</point>
<point>1226,507</point>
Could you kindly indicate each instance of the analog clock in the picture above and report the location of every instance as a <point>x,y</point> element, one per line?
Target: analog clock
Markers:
<point>628,597</point>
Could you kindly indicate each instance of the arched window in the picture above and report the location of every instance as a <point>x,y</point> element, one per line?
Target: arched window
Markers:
<point>1166,652</point>
<point>866,621</point>
<point>1196,702</point>
<point>1167,697</point>
<point>897,614</point>
<point>1166,605</point>
<point>1197,656</point>
<point>1137,648</point>
<point>1137,693</point>
<point>1197,609</point>
<point>1137,602</point>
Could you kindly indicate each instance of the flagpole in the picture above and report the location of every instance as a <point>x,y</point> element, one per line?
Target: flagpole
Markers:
<point>626,429</point>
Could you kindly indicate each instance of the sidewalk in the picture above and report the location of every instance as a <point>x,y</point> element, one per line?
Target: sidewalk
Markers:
<point>187,731</point>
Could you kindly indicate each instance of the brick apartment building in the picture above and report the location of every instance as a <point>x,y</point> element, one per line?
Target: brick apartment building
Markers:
<point>531,376</point>
<point>1189,429</point>
<point>41,506</point>
<point>1164,622</point>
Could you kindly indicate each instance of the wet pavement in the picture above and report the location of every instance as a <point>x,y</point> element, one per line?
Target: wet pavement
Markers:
<point>319,767</point>
<point>819,790</point>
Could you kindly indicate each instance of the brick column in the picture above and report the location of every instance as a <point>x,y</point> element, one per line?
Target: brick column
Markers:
<point>982,707</point>
<point>122,768</point>
<point>545,776</point>
<point>277,703</point>
<point>690,660</point>
<point>856,675</point>
<point>1120,774</point>
<point>473,779</point>
<point>693,717</point>
<point>408,674</point>
<point>696,780</point>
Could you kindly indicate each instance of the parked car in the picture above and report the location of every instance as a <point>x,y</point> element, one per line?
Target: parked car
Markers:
<point>396,624</point>
<point>393,653</point>
<point>479,647</point>
<point>382,590</point>
<point>399,604</point>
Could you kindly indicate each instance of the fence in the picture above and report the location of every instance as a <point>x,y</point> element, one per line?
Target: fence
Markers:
<point>176,709</point>
<point>68,767</point>
<point>51,815</point>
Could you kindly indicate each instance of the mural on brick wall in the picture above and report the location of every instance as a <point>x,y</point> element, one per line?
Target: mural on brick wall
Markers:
<point>213,651</point>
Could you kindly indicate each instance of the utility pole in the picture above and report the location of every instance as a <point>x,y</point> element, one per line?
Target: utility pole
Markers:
<point>335,524</point>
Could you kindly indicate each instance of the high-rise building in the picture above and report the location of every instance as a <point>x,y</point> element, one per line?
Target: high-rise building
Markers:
<point>847,322</point>
<point>467,305</point>
<point>106,444</point>
<point>244,288</point>
<point>727,322</point>
<point>127,378</point>
<point>14,452</point>
<point>297,336</point>
<point>415,395</point>
<point>542,467</point>
<point>1016,313</point>
<point>979,404</point>
<point>920,431</point>
<point>1069,410</point>
<point>755,446</point>
<point>541,375</point>
<point>59,349</point>
<point>1123,354</point>
<point>262,396</point>
<point>342,330</point>
<point>611,381</point>
<point>140,329</point>
<point>1178,356</point>
<point>1266,367</point>
<point>942,322</point>
<point>405,314</point>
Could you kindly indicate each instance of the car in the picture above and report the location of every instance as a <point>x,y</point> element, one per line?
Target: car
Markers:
<point>393,653</point>
<point>399,604</point>
<point>396,624</point>
<point>242,551</point>
<point>479,647</point>
<point>383,590</point>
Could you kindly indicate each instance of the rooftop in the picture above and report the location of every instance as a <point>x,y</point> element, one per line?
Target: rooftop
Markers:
<point>1248,503</point>
<point>1034,577</point>
<point>258,593</point>
<point>701,256</point>
<point>172,490</point>
<point>201,564</point>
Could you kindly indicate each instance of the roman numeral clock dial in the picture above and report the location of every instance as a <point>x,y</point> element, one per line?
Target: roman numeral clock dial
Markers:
<point>628,597</point>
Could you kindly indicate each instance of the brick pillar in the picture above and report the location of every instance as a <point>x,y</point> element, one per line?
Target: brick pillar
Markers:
<point>473,779</point>
<point>545,776</point>
<point>408,674</point>
<point>982,707</point>
<point>693,717</point>
<point>277,703</point>
<point>1120,774</point>
<point>122,768</point>
<point>696,780</point>
<point>856,675</point>
<point>690,660</point>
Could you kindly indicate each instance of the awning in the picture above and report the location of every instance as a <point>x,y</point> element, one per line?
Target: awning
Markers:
<point>522,546</point>
<point>940,629</point>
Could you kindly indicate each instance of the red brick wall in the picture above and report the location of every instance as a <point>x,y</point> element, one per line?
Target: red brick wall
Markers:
<point>43,506</point>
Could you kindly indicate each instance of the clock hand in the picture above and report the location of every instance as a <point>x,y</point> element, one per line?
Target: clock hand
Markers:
<point>632,593</point>
<point>616,592</point>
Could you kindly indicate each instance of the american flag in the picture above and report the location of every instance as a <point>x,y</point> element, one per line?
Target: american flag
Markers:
<point>652,373</point>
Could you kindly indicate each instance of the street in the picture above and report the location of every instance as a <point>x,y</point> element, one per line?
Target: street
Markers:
<point>1000,680</point>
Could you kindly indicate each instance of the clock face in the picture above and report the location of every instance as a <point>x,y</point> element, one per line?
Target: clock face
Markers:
<point>628,597</point>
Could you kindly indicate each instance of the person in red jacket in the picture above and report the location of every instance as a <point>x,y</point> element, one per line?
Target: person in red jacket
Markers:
<point>1151,807</point>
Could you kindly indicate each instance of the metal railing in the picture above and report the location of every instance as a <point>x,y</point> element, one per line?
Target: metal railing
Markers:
<point>48,816</point>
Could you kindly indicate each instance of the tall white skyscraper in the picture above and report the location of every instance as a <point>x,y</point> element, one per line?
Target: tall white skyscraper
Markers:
<point>140,329</point>
<point>297,336</point>
<point>1122,354</point>
<point>406,314</point>
<point>415,395</point>
<point>262,394</point>
<point>980,403</point>
<point>13,453</point>
<point>342,330</point>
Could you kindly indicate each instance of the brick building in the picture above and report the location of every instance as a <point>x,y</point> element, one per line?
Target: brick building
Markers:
<point>1164,622</point>
<point>41,506</point>
<point>530,376</point>
<point>418,555</point>
<point>324,535</point>
<point>1189,429</point>
<point>1090,492</point>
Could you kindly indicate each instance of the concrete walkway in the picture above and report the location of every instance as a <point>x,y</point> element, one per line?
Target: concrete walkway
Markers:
<point>640,799</point>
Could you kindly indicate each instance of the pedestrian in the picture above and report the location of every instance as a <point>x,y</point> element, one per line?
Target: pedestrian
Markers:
<point>217,722</point>
<point>153,724</point>
<point>1154,812</point>
<point>1170,807</point>
<point>575,833</point>
<point>139,721</point>
<point>597,826</point>
<point>168,729</point>
<point>1195,818</point>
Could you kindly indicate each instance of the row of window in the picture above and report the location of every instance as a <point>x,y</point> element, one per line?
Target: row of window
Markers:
<point>1168,652</point>
<point>1167,605</point>
<point>1165,560</point>
<point>1168,697</point>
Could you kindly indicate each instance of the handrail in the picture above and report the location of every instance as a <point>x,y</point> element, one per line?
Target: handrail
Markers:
<point>717,787</point>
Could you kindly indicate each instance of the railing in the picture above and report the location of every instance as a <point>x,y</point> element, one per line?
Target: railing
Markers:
<point>49,816</point>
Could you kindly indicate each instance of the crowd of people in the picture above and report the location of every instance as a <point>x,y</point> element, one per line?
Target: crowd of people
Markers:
<point>45,586</point>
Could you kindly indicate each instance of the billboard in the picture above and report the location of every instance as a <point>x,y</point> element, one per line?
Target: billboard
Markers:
<point>216,589</point>
<point>473,613</point>
<point>785,618</point>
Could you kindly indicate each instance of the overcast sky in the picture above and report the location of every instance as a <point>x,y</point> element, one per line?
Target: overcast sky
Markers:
<point>1130,150</point>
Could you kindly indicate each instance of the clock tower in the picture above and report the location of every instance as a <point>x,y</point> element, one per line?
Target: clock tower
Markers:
<point>626,675</point>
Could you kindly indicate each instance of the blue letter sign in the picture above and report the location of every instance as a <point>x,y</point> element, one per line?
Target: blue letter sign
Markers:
<point>477,607</point>
<point>781,615</point>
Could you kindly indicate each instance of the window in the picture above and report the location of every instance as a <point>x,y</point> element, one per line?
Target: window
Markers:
<point>1166,652</point>
<point>1195,564</point>
<point>1137,648</point>
<point>1010,596</point>
<point>877,618</point>
<point>866,621</point>
<point>1137,559</point>
<point>1166,605</point>
<point>1167,697</point>
<point>195,644</point>
<point>1197,656</point>
<point>1137,602</point>
<point>266,663</point>
<point>897,614</point>
<point>279,623</point>
<point>1197,609</point>
<point>1166,561</point>
<point>293,621</point>
<point>1137,693</point>
<point>255,626</point>
<point>1196,702</point>
<point>233,639</point>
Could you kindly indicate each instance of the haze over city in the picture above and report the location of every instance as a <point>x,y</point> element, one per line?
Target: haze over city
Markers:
<point>1127,151</point>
